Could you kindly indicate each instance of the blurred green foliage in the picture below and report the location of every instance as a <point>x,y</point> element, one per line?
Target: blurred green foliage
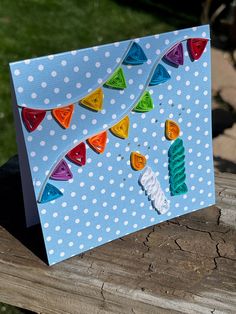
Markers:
<point>30,28</point>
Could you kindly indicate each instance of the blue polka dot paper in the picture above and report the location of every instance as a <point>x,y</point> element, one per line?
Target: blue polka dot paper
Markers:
<point>107,194</point>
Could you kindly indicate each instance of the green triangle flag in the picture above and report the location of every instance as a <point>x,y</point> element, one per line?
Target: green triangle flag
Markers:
<point>145,104</point>
<point>117,80</point>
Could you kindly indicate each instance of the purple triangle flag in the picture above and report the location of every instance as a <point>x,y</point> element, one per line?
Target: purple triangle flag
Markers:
<point>61,172</point>
<point>175,55</point>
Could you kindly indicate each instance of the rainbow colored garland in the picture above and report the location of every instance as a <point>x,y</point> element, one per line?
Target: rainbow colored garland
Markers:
<point>94,101</point>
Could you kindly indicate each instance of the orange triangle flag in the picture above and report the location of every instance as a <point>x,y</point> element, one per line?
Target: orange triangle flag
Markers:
<point>94,100</point>
<point>63,115</point>
<point>98,142</point>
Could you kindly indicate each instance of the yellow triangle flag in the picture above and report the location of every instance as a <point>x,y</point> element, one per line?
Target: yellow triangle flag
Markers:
<point>94,100</point>
<point>121,129</point>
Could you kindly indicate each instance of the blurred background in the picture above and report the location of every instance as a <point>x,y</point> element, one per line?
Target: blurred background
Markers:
<point>33,28</point>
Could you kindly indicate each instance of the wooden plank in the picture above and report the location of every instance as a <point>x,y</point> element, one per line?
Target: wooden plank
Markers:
<point>226,197</point>
<point>186,265</point>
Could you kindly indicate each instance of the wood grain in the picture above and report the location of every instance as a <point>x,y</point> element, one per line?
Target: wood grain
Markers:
<point>186,265</point>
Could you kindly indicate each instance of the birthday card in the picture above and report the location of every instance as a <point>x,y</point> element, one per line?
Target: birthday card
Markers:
<point>114,138</point>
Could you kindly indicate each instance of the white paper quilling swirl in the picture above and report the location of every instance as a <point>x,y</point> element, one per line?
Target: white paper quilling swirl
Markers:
<point>153,189</point>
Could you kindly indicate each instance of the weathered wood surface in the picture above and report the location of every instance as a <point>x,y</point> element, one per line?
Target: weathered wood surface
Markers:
<point>186,265</point>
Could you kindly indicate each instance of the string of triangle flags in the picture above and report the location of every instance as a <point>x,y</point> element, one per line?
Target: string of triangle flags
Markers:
<point>94,101</point>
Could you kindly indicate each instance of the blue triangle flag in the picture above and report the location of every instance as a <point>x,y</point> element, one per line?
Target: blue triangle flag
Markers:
<point>135,55</point>
<point>50,193</point>
<point>160,75</point>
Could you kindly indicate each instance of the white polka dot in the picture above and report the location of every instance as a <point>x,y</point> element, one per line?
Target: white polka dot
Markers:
<point>30,78</point>
<point>43,84</point>
<point>40,67</point>
<point>42,143</point>
<point>17,72</point>
<point>66,218</point>
<point>155,161</point>
<point>63,63</point>
<point>187,68</point>
<point>53,73</point>
<point>140,71</point>
<point>97,64</point>
<point>54,147</point>
<point>86,58</point>
<point>20,89</point>
<point>35,169</point>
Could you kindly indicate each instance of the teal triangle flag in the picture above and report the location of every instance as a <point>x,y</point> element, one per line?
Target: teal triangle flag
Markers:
<point>160,75</point>
<point>50,193</point>
<point>135,55</point>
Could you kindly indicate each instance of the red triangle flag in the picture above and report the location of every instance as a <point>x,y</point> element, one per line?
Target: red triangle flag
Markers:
<point>78,154</point>
<point>32,118</point>
<point>196,47</point>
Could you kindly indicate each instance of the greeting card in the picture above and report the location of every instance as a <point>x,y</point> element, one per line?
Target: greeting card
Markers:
<point>114,138</point>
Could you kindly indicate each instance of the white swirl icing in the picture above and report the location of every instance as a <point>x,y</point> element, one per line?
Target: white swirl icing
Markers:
<point>153,189</point>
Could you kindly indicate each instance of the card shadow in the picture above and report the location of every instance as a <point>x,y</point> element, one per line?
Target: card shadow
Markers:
<point>12,214</point>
